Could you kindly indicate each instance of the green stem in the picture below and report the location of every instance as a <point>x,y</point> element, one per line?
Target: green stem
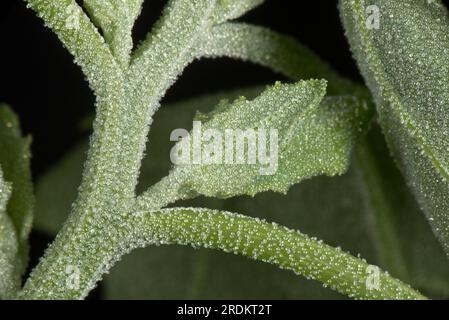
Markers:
<point>166,52</point>
<point>163,193</point>
<point>83,41</point>
<point>106,191</point>
<point>279,52</point>
<point>125,107</point>
<point>267,242</point>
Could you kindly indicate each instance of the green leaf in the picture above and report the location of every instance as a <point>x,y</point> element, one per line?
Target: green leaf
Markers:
<point>9,277</point>
<point>405,65</point>
<point>311,139</point>
<point>116,19</point>
<point>5,193</point>
<point>404,241</point>
<point>15,162</point>
<point>16,202</point>
<point>284,108</point>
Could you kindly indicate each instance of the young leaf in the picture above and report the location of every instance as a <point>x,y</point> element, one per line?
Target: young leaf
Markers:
<point>311,139</point>
<point>15,162</point>
<point>405,63</point>
<point>116,19</point>
<point>282,108</point>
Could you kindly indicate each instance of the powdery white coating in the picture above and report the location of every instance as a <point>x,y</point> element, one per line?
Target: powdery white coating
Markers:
<point>267,242</point>
<point>424,260</point>
<point>274,50</point>
<point>233,9</point>
<point>15,162</point>
<point>102,226</point>
<point>84,42</point>
<point>9,263</point>
<point>116,19</point>
<point>314,139</point>
<point>126,102</point>
<point>5,193</point>
<point>405,64</point>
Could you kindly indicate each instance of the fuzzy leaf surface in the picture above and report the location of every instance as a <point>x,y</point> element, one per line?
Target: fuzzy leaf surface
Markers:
<point>9,276</point>
<point>405,64</point>
<point>15,161</point>
<point>315,137</point>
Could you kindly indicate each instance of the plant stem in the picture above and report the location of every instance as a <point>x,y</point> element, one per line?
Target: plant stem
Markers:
<point>277,51</point>
<point>107,190</point>
<point>269,243</point>
<point>124,110</point>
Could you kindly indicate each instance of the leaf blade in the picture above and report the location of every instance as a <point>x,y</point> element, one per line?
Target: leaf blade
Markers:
<point>9,277</point>
<point>410,84</point>
<point>15,160</point>
<point>314,139</point>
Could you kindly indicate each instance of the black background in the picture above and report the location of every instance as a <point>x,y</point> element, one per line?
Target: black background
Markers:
<point>39,80</point>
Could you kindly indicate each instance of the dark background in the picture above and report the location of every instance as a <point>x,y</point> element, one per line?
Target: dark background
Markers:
<point>39,80</point>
